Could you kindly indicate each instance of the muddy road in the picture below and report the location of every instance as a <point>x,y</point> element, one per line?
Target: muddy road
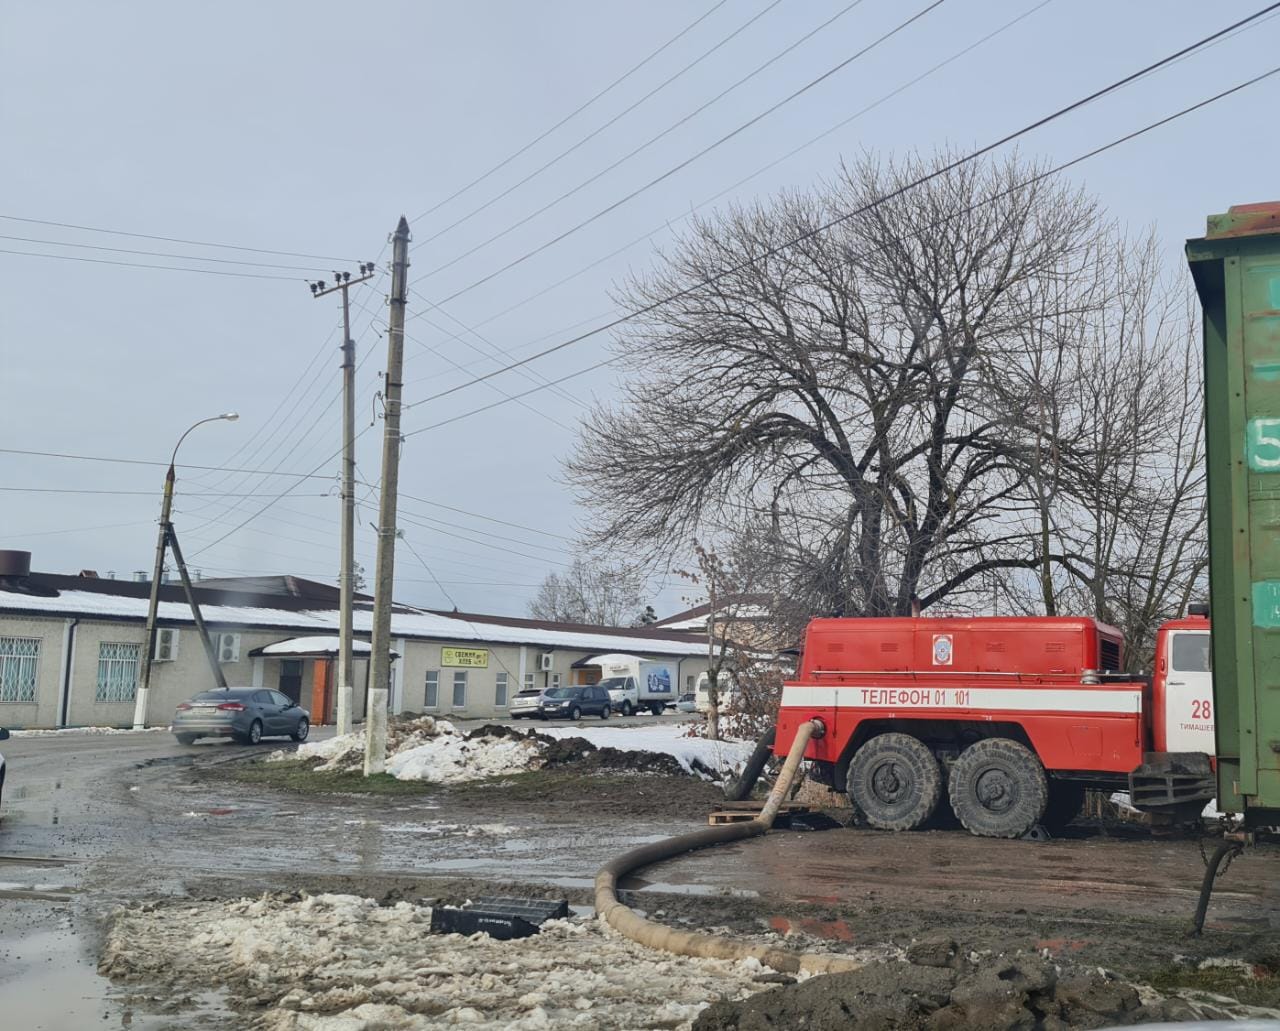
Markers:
<point>92,822</point>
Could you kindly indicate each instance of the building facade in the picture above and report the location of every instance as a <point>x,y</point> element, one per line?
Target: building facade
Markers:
<point>71,650</point>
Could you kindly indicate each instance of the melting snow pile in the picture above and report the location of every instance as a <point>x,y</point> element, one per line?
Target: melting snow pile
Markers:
<point>340,962</point>
<point>435,750</point>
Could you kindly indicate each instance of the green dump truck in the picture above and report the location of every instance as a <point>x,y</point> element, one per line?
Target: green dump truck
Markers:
<point>1236,267</point>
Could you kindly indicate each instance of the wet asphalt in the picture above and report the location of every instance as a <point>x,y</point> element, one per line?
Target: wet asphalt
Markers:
<point>89,821</point>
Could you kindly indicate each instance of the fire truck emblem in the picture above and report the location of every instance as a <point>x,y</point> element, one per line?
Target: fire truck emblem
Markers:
<point>942,649</point>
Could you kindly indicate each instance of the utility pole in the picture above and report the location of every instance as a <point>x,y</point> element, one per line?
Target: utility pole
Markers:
<point>346,573</point>
<point>375,742</point>
<point>143,693</point>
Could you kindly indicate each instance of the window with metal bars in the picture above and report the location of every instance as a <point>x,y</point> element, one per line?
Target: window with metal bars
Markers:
<point>19,666</point>
<point>117,671</point>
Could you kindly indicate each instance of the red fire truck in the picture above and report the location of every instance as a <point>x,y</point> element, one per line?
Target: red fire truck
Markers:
<point>1013,718</point>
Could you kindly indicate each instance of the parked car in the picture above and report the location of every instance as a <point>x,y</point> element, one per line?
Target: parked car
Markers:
<point>559,702</point>
<point>246,713</point>
<point>688,702</point>
<point>4,736</point>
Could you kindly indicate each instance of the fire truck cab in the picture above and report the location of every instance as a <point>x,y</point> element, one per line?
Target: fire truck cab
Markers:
<point>1012,718</point>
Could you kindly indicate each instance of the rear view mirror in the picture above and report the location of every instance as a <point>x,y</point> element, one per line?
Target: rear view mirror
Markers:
<point>4,734</point>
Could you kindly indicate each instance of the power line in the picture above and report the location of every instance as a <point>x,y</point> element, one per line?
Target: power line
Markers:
<point>949,167</point>
<point>141,493</point>
<point>159,254</point>
<point>491,519</point>
<point>144,461</point>
<point>1028,182</point>
<point>173,239</point>
<point>596,132</point>
<point>689,160</point>
<point>667,224</point>
<point>162,268</point>
<point>576,111</point>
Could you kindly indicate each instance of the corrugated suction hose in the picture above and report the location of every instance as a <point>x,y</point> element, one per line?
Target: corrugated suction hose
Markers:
<point>629,923</point>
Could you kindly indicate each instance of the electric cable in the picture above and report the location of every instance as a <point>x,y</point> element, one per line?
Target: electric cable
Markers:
<point>621,114</point>
<point>576,111</point>
<point>683,164</point>
<point>862,209</point>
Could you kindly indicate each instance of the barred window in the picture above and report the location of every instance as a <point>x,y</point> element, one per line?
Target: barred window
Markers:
<point>117,671</point>
<point>19,663</point>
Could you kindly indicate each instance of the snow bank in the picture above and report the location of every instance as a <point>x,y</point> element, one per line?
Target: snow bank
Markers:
<point>337,962</point>
<point>436,751</point>
<point>721,756</point>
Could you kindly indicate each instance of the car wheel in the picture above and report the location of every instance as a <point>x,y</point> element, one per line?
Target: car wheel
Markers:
<point>656,708</point>
<point>604,712</point>
<point>575,713</point>
<point>303,729</point>
<point>255,733</point>
<point>185,739</point>
<point>626,708</point>
<point>895,782</point>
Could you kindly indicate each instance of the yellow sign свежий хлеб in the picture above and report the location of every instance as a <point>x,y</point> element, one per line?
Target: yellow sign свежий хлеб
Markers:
<point>474,657</point>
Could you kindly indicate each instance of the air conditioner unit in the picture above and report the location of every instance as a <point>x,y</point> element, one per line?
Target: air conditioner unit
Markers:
<point>228,646</point>
<point>545,662</point>
<point>166,644</point>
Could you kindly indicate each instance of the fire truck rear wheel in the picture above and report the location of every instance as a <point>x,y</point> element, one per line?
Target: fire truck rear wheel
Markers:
<point>998,788</point>
<point>895,782</point>
<point>1066,802</point>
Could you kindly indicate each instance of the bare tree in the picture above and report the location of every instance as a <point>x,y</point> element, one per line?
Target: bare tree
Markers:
<point>840,397</point>
<point>590,592</point>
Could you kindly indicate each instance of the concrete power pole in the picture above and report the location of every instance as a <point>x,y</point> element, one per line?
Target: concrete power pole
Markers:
<point>375,742</point>
<point>346,573</point>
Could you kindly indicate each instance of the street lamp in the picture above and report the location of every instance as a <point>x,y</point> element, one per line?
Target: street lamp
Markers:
<point>166,509</point>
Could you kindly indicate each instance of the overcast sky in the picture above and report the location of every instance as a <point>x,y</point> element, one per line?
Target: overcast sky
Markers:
<point>310,128</point>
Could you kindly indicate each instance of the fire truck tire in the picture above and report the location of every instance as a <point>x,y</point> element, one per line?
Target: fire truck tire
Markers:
<point>1066,802</point>
<point>998,788</point>
<point>894,782</point>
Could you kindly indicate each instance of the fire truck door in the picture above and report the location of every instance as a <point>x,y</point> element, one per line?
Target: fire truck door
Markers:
<point>1189,693</point>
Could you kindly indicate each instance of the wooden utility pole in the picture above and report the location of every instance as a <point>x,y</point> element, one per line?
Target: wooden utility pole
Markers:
<point>346,571</point>
<point>375,742</point>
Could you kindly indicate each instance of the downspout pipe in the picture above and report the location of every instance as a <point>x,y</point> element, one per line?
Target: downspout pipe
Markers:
<point>68,662</point>
<point>631,924</point>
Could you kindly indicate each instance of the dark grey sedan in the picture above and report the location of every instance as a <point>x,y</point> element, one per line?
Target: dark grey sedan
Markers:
<point>246,713</point>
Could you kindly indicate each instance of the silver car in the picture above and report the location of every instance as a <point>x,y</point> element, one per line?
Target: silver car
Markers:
<point>246,713</point>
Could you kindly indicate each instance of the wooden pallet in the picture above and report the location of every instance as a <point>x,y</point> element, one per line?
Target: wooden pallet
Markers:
<point>741,812</point>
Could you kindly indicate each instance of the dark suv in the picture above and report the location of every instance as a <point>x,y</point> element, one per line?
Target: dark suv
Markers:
<point>561,702</point>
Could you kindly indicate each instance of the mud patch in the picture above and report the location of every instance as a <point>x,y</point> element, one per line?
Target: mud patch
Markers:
<point>943,990</point>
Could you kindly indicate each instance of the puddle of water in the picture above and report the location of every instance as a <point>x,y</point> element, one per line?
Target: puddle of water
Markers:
<point>48,984</point>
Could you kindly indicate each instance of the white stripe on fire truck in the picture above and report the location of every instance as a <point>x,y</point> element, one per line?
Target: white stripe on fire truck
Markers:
<point>1005,699</point>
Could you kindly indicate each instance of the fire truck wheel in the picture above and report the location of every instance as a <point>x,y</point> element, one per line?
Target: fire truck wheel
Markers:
<point>895,782</point>
<point>998,788</point>
<point>1066,802</point>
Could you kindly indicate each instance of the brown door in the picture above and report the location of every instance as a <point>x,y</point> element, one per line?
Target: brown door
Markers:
<point>291,679</point>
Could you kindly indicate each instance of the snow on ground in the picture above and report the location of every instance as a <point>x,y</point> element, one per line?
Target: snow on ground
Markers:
<point>85,730</point>
<point>723,756</point>
<point>340,962</point>
<point>436,751</point>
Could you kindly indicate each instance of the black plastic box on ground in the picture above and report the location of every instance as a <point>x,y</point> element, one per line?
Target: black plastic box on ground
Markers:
<point>499,917</point>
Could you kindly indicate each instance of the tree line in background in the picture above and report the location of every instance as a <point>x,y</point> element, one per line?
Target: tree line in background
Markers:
<point>980,393</point>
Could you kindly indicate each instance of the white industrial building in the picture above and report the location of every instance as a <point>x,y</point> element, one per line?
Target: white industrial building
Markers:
<point>71,649</point>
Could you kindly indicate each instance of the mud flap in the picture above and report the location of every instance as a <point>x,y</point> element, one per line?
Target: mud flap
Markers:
<point>1175,784</point>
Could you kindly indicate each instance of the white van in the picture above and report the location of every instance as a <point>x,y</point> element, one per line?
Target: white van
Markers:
<point>635,684</point>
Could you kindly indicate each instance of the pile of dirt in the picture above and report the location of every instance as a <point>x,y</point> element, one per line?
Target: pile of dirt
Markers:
<point>939,989</point>
<point>582,756</point>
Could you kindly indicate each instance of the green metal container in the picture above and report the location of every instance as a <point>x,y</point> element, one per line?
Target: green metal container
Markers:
<point>1236,266</point>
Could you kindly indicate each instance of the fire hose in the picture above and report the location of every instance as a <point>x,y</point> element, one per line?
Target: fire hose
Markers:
<point>631,924</point>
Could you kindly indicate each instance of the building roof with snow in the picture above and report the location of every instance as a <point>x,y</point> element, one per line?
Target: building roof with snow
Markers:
<point>307,607</point>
